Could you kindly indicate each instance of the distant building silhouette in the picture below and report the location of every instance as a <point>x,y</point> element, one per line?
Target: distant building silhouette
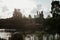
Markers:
<point>17,14</point>
<point>39,15</point>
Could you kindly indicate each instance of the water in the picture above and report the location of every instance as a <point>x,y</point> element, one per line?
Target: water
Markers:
<point>7,35</point>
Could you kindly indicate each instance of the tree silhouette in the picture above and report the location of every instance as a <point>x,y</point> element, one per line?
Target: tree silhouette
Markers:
<point>52,25</point>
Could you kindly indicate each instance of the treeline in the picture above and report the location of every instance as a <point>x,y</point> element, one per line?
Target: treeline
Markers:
<point>22,23</point>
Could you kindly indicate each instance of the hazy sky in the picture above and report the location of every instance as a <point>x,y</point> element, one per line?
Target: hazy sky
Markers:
<point>27,7</point>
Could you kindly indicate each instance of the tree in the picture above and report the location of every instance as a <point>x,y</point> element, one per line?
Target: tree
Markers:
<point>52,25</point>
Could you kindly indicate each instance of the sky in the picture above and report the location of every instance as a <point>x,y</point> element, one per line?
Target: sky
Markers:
<point>26,6</point>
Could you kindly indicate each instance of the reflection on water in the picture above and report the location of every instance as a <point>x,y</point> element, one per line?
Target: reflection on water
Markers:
<point>8,35</point>
<point>31,37</point>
